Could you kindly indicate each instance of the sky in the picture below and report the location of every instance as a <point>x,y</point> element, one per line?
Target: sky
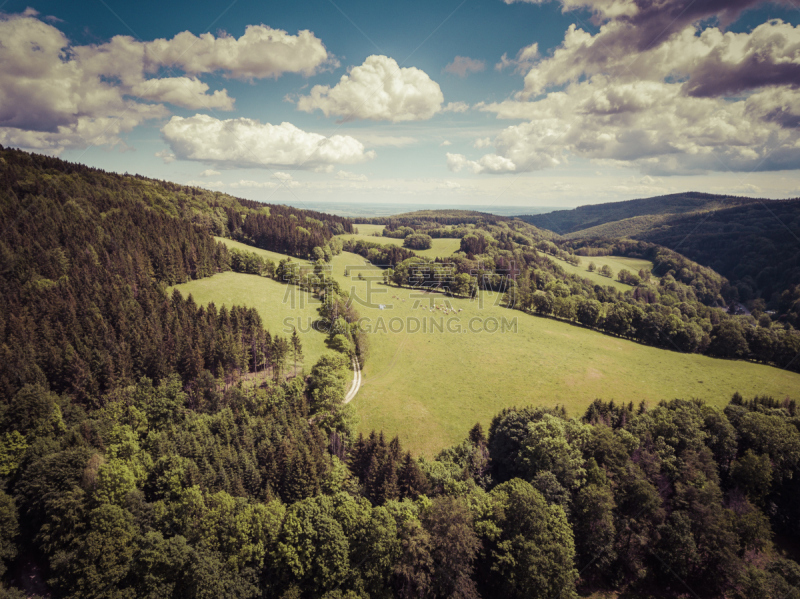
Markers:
<point>459,102</point>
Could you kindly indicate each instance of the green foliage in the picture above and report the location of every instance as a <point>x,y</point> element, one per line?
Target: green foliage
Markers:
<point>12,448</point>
<point>530,550</point>
<point>142,454</point>
<point>9,530</point>
<point>555,445</point>
<point>418,241</point>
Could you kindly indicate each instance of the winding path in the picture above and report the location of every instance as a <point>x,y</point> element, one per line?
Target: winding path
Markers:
<point>356,382</point>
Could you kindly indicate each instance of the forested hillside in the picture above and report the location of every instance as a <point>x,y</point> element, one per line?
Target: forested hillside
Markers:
<point>593,215</point>
<point>136,462</point>
<point>756,246</point>
<point>754,243</point>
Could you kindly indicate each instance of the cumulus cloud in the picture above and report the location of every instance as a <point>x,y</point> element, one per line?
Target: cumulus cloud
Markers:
<point>648,22</point>
<point>708,63</point>
<point>463,66</point>
<point>167,156</point>
<point>654,126</point>
<point>260,53</point>
<point>446,142</point>
<point>695,99</point>
<point>286,179</point>
<point>55,95</point>
<point>248,143</point>
<point>491,163</point>
<point>456,107</point>
<point>209,172</point>
<point>378,90</point>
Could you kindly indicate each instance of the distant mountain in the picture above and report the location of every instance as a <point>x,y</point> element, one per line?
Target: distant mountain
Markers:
<point>754,243</point>
<point>564,222</point>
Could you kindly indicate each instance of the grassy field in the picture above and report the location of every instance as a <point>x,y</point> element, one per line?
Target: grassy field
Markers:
<point>369,229</point>
<point>430,387</point>
<point>274,301</point>
<point>274,256</point>
<point>441,247</point>
<point>615,263</point>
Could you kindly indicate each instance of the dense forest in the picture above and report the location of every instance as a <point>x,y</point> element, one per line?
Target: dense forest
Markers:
<point>246,495</point>
<point>756,246</point>
<point>150,447</point>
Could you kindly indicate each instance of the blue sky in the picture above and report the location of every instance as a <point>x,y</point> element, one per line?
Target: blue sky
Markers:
<point>616,100</point>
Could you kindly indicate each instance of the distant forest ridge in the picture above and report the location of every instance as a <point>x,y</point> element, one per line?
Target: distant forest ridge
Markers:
<point>564,222</point>
<point>753,242</point>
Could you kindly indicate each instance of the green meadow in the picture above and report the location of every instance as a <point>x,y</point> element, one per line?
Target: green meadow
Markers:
<point>430,385</point>
<point>274,301</point>
<point>441,247</point>
<point>615,263</point>
<point>363,229</point>
<point>266,254</point>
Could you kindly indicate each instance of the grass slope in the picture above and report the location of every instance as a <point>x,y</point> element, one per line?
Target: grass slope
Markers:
<point>274,256</point>
<point>272,299</point>
<point>431,387</point>
<point>364,229</point>
<point>627,227</point>
<point>616,263</point>
<point>440,247</point>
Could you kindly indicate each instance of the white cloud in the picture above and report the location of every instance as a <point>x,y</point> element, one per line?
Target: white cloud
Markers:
<point>694,100</point>
<point>450,185</point>
<point>710,62</point>
<point>523,62</point>
<point>483,142</point>
<point>378,90</point>
<point>653,126</point>
<point>286,179</point>
<point>50,99</point>
<point>456,107</point>
<point>55,95</point>
<point>248,143</point>
<point>446,143</point>
<point>463,66</point>
<point>491,163</point>
<point>166,156</point>
<point>260,53</point>
<point>348,176</point>
<point>182,91</point>
<point>209,172</point>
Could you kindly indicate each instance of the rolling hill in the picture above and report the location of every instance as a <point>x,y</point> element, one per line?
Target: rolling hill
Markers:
<point>429,386</point>
<point>581,218</point>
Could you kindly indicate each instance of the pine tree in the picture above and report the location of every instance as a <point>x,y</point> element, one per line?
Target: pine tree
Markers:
<point>411,481</point>
<point>297,348</point>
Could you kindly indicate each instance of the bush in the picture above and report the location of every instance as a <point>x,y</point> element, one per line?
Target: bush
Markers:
<point>418,241</point>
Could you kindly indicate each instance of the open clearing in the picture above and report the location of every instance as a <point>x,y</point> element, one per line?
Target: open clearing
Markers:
<point>431,387</point>
<point>273,300</point>
<point>615,263</point>
<point>369,229</point>
<point>440,248</point>
<point>266,254</point>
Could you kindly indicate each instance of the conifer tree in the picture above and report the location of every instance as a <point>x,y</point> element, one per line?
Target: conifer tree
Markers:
<point>297,348</point>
